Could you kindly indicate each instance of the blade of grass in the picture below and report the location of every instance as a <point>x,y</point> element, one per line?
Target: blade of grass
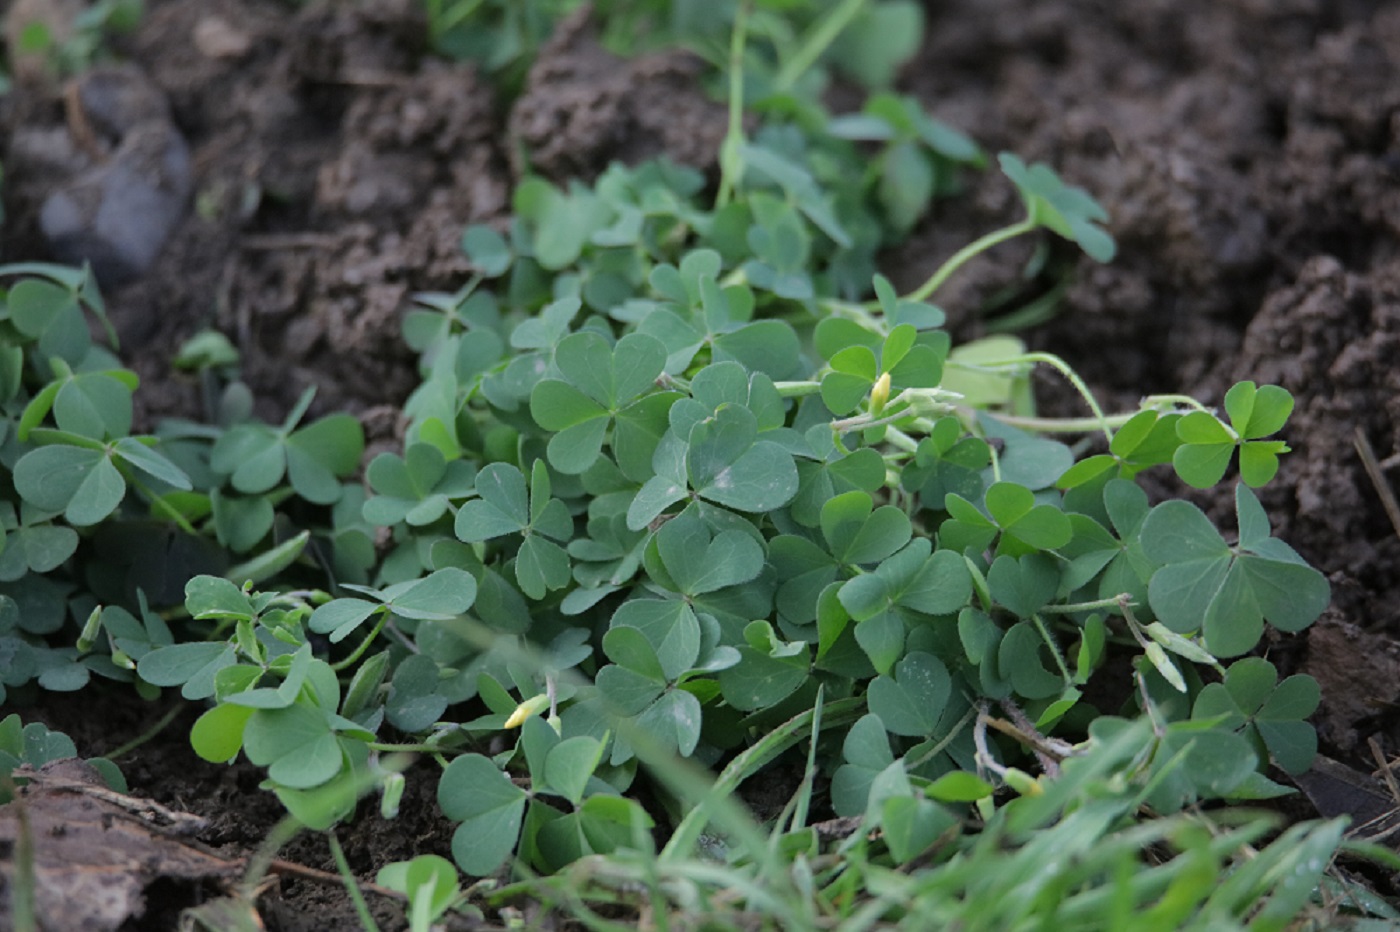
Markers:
<point>718,799</point>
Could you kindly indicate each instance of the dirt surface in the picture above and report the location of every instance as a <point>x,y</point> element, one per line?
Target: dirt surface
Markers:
<point>1248,152</point>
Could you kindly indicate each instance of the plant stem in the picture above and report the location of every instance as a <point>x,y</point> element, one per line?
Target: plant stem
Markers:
<point>363,645</point>
<point>159,503</point>
<point>966,254</point>
<point>260,860</point>
<point>1076,607</point>
<point>1055,362</point>
<point>1082,425</point>
<point>731,152</point>
<point>351,885</point>
<point>1054,648</point>
<point>147,735</point>
<point>1060,425</point>
<point>403,748</point>
<point>797,389</point>
<point>817,41</point>
<point>23,910</point>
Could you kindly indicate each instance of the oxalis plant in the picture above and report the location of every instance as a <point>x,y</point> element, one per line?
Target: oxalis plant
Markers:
<point>688,487</point>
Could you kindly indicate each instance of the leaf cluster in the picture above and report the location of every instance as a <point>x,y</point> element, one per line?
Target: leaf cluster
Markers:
<point>84,512</point>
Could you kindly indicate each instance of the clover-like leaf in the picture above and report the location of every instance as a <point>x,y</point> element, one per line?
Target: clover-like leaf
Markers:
<point>695,561</point>
<point>1147,439</point>
<point>599,383</point>
<point>51,313</point>
<point>441,595</point>
<point>857,534</point>
<point>1020,659</point>
<point>256,457</point>
<point>415,701</point>
<point>853,372</point>
<point>1207,445</point>
<point>416,489</point>
<point>191,665</point>
<point>1195,763</point>
<point>1023,585</point>
<point>217,735</point>
<point>1227,592</point>
<point>96,405</point>
<point>488,250</point>
<point>33,545</point>
<point>829,471</point>
<point>297,744</point>
<point>912,701</point>
<point>727,464</point>
<point>947,462</point>
<point>911,824</point>
<point>914,579</point>
<point>1025,525</point>
<point>801,189</point>
<point>569,765</point>
<point>866,752</point>
<point>670,627</point>
<point>674,720</point>
<point>1063,209</point>
<point>81,483</point>
<point>1252,700</point>
<point>768,671</point>
<point>504,507</point>
<point>906,356</point>
<point>473,791</point>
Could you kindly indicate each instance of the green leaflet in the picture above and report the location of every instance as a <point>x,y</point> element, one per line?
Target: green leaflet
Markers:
<point>1227,593</point>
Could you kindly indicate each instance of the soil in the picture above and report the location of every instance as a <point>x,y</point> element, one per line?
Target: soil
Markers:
<point>1248,152</point>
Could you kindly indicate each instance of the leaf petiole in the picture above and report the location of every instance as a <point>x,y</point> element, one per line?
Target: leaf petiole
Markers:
<point>731,152</point>
<point>816,42</point>
<point>969,252</point>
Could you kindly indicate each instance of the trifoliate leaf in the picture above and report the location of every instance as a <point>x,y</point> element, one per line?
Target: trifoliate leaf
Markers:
<point>1068,211</point>
<point>912,701</point>
<point>1226,592</point>
<point>473,791</point>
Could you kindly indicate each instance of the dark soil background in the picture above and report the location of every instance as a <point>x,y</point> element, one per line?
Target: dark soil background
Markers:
<point>1248,152</point>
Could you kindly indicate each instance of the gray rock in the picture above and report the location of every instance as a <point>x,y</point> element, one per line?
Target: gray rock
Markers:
<point>117,213</point>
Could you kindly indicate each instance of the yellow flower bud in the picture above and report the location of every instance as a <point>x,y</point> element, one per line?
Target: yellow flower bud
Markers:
<point>527,708</point>
<point>880,393</point>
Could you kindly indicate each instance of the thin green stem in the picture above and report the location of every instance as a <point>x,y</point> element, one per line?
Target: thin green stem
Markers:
<point>731,152</point>
<point>1055,362</point>
<point>404,748</point>
<point>1076,607</point>
<point>24,911</point>
<point>276,838</point>
<point>1054,648</point>
<point>147,735</point>
<point>901,440</point>
<point>363,646</point>
<point>797,389</point>
<point>1062,425</point>
<point>1167,401</point>
<point>816,42</point>
<point>965,255</point>
<point>944,742</point>
<point>159,503</point>
<point>856,312</point>
<point>1084,425</point>
<point>351,885</point>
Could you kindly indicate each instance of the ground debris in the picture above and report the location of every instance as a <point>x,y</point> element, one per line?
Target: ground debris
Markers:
<point>95,852</point>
